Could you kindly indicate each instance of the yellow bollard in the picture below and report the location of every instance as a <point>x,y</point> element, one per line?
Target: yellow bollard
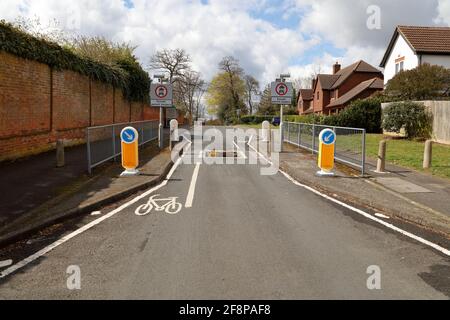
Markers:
<point>130,151</point>
<point>326,152</point>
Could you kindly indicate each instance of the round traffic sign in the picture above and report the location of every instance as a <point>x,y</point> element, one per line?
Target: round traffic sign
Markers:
<point>327,137</point>
<point>282,89</point>
<point>161,91</point>
<point>129,135</point>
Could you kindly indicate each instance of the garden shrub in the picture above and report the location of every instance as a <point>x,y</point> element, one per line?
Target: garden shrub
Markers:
<point>413,117</point>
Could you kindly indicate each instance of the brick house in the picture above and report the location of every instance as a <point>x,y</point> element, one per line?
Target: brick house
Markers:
<point>334,92</point>
<point>305,100</point>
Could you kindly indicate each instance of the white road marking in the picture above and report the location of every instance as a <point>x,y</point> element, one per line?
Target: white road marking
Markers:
<point>96,213</point>
<point>379,215</point>
<point>6,263</point>
<point>171,206</point>
<point>239,150</point>
<point>191,194</point>
<point>85,228</point>
<point>365,214</point>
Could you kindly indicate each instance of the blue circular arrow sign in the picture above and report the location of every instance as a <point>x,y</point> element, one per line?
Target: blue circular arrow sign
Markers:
<point>327,137</point>
<point>129,135</point>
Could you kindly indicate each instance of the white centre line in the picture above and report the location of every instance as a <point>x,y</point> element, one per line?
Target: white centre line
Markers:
<point>191,194</point>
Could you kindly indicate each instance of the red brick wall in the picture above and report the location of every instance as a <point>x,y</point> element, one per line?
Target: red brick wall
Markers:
<point>137,111</point>
<point>39,106</point>
<point>324,99</point>
<point>71,101</point>
<point>102,104</point>
<point>121,108</point>
<point>151,113</point>
<point>25,106</point>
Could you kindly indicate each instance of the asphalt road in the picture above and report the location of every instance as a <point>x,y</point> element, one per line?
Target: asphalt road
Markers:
<point>246,236</point>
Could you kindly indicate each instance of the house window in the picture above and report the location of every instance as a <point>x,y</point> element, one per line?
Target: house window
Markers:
<point>400,66</point>
<point>318,95</point>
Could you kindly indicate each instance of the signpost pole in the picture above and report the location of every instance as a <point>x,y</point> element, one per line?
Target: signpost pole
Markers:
<point>161,128</point>
<point>281,128</point>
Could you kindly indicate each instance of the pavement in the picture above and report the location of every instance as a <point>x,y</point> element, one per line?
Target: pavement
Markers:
<point>422,188</point>
<point>30,182</point>
<point>400,194</point>
<point>224,231</point>
<point>61,194</point>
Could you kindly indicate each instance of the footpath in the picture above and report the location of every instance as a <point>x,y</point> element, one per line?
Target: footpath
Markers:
<point>401,194</point>
<point>36,194</point>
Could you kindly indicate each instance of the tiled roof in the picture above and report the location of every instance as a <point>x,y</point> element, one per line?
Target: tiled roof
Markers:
<point>329,82</point>
<point>427,39</point>
<point>360,66</point>
<point>375,83</point>
<point>307,94</point>
<point>422,40</point>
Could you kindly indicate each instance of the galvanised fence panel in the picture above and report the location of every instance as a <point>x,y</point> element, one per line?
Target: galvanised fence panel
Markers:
<point>104,143</point>
<point>350,143</point>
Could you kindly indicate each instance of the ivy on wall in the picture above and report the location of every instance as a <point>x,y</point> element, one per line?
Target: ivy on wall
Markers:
<point>129,76</point>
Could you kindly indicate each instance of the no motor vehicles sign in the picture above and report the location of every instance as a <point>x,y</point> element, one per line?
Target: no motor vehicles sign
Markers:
<point>282,92</point>
<point>161,95</point>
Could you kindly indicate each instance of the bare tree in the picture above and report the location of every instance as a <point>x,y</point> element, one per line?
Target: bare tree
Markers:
<point>173,62</point>
<point>303,82</point>
<point>252,86</point>
<point>189,90</point>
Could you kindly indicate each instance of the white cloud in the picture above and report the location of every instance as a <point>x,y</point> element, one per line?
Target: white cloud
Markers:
<point>444,12</point>
<point>207,32</point>
<point>218,28</point>
<point>344,23</point>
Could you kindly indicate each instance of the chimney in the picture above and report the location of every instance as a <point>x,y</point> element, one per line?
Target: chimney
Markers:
<point>336,67</point>
<point>313,82</point>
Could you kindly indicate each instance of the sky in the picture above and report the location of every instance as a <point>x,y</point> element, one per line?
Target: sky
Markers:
<point>268,37</point>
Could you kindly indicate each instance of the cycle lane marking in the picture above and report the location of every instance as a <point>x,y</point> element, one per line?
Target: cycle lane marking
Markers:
<point>88,226</point>
<point>171,206</point>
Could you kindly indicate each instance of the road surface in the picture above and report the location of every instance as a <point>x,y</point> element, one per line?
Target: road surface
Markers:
<point>236,235</point>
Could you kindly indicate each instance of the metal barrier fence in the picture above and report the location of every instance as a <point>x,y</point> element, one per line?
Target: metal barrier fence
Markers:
<point>350,143</point>
<point>104,143</point>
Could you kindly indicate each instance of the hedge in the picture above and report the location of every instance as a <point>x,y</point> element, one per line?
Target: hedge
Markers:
<point>129,76</point>
<point>364,114</point>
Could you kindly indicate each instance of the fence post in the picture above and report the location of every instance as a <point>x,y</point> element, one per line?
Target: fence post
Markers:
<point>314,139</point>
<point>428,154</point>
<point>88,144</point>
<point>363,164</point>
<point>289,132</point>
<point>299,134</point>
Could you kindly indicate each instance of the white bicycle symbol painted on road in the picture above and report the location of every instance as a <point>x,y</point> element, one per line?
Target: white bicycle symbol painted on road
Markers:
<point>171,206</point>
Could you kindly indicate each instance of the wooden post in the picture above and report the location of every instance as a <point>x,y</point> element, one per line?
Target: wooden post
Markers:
<point>381,165</point>
<point>428,154</point>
